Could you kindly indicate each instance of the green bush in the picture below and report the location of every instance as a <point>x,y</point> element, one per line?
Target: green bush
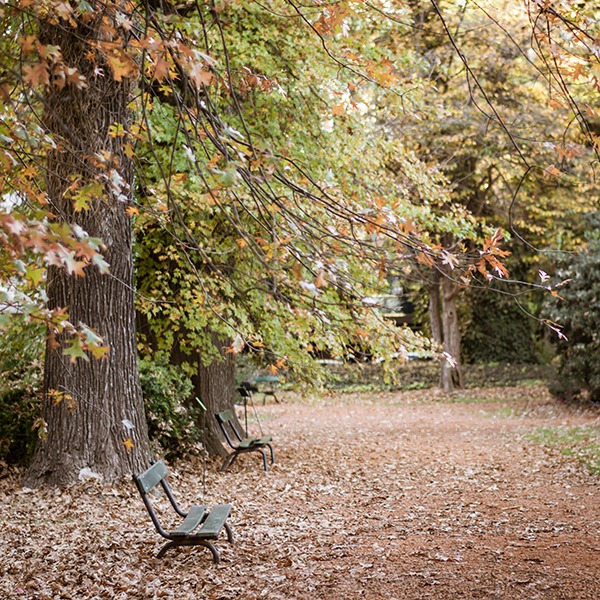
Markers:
<point>498,331</point>
<point>577,311</point>
<point>172,418</point>
<point>21,373</point>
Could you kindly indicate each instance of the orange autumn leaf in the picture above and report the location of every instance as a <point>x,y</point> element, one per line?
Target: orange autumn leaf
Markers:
<point>320,281</point>
<point>339,109</point>
<point>121,65</point>
<point>36,74</point>
<point>161,69</point>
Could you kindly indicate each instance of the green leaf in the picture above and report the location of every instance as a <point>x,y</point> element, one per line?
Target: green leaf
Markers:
<point>84,196</point>
<point>75,350</point>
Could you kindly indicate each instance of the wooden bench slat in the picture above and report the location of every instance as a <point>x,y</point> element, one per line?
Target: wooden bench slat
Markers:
<point>266,379</point>
<point>194,517</point>
<point>247,442</point>
<point>254,441</point>
<point>264,439</point>
<point>215,521</point>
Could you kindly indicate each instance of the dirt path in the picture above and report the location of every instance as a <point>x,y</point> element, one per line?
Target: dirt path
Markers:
<point>374,496</point>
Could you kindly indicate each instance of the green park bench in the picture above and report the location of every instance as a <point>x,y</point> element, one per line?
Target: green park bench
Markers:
<point>240,444</point>
<point>199,525</point>
<point>267,385</point>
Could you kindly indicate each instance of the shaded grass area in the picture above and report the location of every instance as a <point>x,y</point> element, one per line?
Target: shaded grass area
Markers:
<point>580,443</point>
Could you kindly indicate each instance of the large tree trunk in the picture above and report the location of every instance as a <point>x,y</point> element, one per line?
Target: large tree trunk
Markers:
<point>90,430</point>
<point>215,386</point>
<point>452,375</point>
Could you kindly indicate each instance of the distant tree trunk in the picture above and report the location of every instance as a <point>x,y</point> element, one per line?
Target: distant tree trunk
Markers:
<point>452,375</point>
<point>445,331</point>
<point>89,430</point>
<point>435,309</point>
<point>214,386</point>
<point>435,317</point>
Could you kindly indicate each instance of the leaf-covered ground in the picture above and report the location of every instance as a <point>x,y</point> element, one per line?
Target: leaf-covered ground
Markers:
<point>381,495</point>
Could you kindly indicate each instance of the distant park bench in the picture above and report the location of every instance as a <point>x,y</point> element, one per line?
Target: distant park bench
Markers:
<point>199,525</point>
<point>267,385</point>
<point>261,384</point>
<point>240,444</point>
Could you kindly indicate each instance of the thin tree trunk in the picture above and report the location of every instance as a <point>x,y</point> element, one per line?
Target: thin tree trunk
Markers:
<point>435,316</point>
<point>435,309</point>
<point>103,398</point>
<point>452,375</point>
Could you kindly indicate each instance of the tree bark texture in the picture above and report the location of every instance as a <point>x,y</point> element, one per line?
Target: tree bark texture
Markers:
<point>215,386</point>
<point>435,309</point>
<point>452,374</point>
<point>90,431</point>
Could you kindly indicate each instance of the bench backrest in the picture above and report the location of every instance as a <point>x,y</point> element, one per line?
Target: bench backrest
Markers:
<point>151,477</point>
<point>225,416</point>
<point>227,423</point>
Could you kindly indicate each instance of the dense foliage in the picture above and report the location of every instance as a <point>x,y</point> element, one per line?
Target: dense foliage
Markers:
<point>21,357</point>
<point>498,330</point>
<point>174,419</point>
<point>577,309</point>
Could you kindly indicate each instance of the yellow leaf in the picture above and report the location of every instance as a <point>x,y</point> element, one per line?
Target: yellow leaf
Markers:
<point>129,445</point>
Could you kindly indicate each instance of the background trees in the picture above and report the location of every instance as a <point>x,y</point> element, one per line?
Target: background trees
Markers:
<point>280,164</point>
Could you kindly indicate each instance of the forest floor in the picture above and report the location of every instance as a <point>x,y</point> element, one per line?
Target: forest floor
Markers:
<point>374,495</point>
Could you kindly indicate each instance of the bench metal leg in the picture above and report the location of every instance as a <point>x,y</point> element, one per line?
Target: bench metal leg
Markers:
<point>229,533</point>
<point>231,458</point>
<point>264,457</point>
<point>272,394</point>
<point>175,543</point>
<point>272,453</point>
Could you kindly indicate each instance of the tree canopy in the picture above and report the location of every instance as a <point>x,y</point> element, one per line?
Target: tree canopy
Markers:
<point>277,165</point>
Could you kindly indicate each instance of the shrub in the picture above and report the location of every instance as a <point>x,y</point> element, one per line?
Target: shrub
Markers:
<point>498,331</point>
<point>172,418</point>
<point>577,311</point>
<point>21,374</point>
